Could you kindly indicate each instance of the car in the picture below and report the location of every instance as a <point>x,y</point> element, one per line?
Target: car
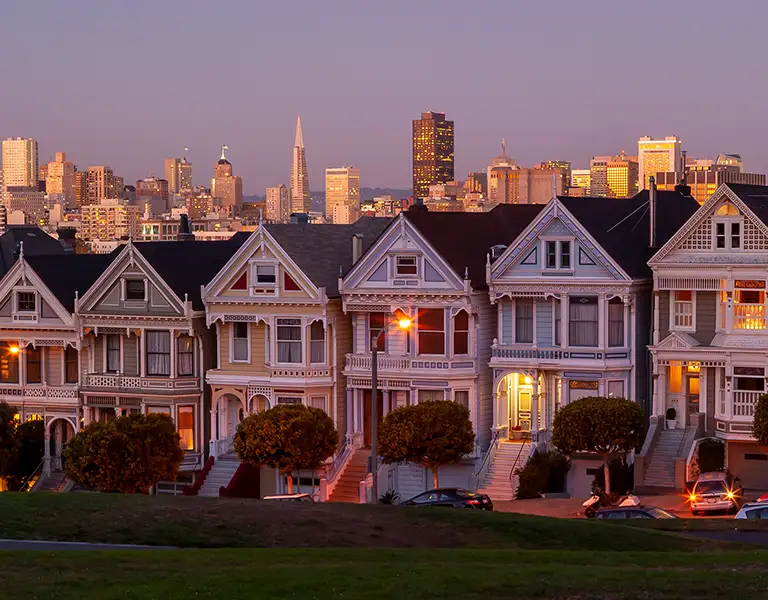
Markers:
<point>634,512</point>
<point>291,498</point>
<point>753,510</point>
<point>715,491</point>
<point>451,497</point>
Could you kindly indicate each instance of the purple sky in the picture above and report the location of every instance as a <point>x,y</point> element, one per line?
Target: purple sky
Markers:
<point>129,83</point>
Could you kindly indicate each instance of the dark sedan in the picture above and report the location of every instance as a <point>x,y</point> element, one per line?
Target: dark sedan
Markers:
<point>452,498</point>
<point>634,512</point>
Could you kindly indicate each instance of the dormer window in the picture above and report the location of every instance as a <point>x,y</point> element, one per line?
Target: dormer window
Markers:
<point>557,254</point>
<point>134,289</point>
<point>406,266</point>
<point>26,302</point>
<point>266,274</point>
<point>727,228</point>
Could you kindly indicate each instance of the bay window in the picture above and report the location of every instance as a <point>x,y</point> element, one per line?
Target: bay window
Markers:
<point>615,323</point>
<point>461,333</point>
<point>289,341</point>
<point>431,329</point>
<point>583,321</point>
<point>524,321</point>
<point>186,427</point>
<point>185,356</point>
<point>70,365</point>
<point>431,396</point>
<point>317,343</point>
<point>9,362</point>
<point>158,353</point>
<point>240,342</point>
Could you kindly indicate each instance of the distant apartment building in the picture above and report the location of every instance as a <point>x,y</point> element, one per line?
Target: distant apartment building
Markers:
<point>20,162</point>
<point>60,179</point>
<point>477,182</point>
<point>110,220</point>
<point>278,204</point>
<point>433,152</point>
<point>510,184</point>
<point>342,195</point>
<point>226,186</point>
<point>28,200</point>
<point>704,177</point>
<point>102,184</point>
<point>562,168</point>
<point>581,178</point>
<point>622,176</point>
<point>657,156</point>
<point>199,203</point>
<point>152,196</point>
<point>81,187</point>
<point>178,174</point>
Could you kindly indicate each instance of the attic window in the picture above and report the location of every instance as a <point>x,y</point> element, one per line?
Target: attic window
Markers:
<point>26,301</point>
<point>406,266</point>
<point>134,289</point>
<point>265,274</point>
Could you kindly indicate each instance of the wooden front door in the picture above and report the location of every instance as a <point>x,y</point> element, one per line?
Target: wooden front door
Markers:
<point>367,414</point>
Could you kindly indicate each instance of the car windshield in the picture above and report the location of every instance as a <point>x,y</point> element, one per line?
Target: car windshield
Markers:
<point>709,487</point>
<point>660,514</point>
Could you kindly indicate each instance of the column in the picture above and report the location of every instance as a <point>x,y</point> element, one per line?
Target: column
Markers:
<point>535,302</point>
<point>44,355</point>
<point>564,320</point>
<point>350,412</point>
<point>625,302</point>
<point>143,354</point>
<point>535,407</point>
<point>655,338</point>
<point>356,427</point>
<point>47,450</point>
<point>602,311</point>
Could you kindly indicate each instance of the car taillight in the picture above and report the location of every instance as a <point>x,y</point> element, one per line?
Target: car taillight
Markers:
<point>473,501</point>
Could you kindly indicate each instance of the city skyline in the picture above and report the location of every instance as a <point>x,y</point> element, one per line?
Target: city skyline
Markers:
<point>596,105</point>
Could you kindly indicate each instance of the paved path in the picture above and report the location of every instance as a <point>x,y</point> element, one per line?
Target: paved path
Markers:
<point>759,538</point>
<point>50,545</point>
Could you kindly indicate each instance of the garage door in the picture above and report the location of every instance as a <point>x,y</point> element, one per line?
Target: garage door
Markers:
<point>457,476</point>
<point>748,462</point>
<point>411,480</point>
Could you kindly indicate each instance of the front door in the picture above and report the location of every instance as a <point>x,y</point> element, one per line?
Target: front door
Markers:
<point>367,414</point>
<point>520,410</point>
<point>692,394</point>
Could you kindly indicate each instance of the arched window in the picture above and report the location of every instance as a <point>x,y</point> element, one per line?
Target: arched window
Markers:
<point>461,333</point>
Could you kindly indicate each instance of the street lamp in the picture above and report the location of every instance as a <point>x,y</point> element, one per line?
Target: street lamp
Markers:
<point>403,322</point>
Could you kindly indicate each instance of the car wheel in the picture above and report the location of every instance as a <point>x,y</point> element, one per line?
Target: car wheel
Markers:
<point>695,513</point>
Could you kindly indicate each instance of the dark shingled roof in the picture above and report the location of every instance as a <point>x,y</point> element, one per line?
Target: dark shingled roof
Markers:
<point>65,274</point>
<point>755,197</point>
<point>36,243</point>
<point>185,266</point>
<point>622,226</point>
<point>321,250</point>
<point>465,239</point>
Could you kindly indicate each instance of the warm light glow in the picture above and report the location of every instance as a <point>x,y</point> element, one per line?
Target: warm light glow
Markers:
<point>692,497</point>
<point>13,349</point>
<point>730,495</point>
<point>404,323</point>
<point>528,380</point>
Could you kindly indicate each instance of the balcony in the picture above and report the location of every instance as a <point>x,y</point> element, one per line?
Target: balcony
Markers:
<point>65,394</point>
<point>361,363</point>
<point>526,354</point>
<point>749,317</point>
<point>114,382</point>
<point>742,405</point>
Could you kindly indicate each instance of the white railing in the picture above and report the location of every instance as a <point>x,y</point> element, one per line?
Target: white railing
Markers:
<point>683,313</point>
<point>339,461</point>
<point>488,460</point>
<point>132,382</point>
<point>526,353</point>
<point>384,362</point>
<point>744,403</point>
<point>34,392</point>
<point>223,446</point>
<point>749,317</point>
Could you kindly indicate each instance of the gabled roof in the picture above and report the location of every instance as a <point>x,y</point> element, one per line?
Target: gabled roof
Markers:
<point>622,226</point>
<point>36,242</point>
<point>186,266</point>
<point>323,252</point>
<point>465,239</point>
<point>67,274</point>
<point>754,196</point>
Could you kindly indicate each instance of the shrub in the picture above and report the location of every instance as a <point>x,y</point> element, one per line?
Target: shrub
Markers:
<point>711,455</point>
<point>389,497</point>
<point>432,434</point>
<point>622,476</point>
<point>760,420</point>
<point>30,449</point>
<point>287,437</point>
<point>129,454</point>
<point>671,414</point>
<point>8,442</point>
<point>544,472</point>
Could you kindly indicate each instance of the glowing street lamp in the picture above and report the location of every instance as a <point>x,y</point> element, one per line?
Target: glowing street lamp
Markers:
<point>13,349</point>
<point>405,323</point>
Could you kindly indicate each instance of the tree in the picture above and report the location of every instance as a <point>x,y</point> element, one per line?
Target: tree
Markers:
<point>287,437</point>
<point>8,442</point>
<point>30,438</point>
<point>604,426</point>
<point>432,434</point>
<point>760,420</point>
<point>129,454</point>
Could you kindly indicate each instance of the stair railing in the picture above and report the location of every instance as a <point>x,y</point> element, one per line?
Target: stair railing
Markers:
<point>526,440</point>
<point>488,459</point>
<point>29,477</point>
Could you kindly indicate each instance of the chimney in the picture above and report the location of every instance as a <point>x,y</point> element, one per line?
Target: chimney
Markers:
<point>652,210</point>
<point>185,231</point>
<point>357,247</point>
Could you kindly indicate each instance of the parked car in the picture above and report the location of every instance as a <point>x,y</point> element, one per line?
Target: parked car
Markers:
<point>753,510</point>
<point>715,491</point>
<point>291,498</point>
<point>634,512</point>
<point>451,497</point>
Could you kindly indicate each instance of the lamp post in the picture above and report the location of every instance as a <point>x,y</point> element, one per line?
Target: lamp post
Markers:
<point>404,323</point>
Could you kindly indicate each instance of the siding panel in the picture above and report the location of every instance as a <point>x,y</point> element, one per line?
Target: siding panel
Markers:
<point>663,315</point>
<point>544,324</point>
<point>706,316</point>
<point>54,359</point>
<point>131,355</point>
<point>506,322</point>
<point>485,330</point>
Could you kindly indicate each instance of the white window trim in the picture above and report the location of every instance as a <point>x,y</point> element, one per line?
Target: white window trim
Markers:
<point>175,351</point>
<point>623,383</point>
<point>232,344</point>
<point>454,331</point>
<point>253,279</point>
<point>27,290</point>
<point>672,300</point>
<point>267,343</point>
<point>558,253</point>
<point>124,288</point>
<point>325,343</point>
<point>303,328</point>
<point>64,381</point>
<point>727,221</point>
<point>325,406</point>
<point>397,275</point>
<point>104,350</point>
<point>532,343</point>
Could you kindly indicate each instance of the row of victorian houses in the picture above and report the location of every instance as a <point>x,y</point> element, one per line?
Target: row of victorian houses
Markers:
<point>515,312</point>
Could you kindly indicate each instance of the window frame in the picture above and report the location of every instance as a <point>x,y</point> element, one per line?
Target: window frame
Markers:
<point>179,354</point>
<point>415,266</point>
<point>13,361</point>
<point>420,332</point>
<point>126,285</point>
<point>517,320</point>
<point>313,342</point>
<point>381,345</point>
<point>148,352</point>
<point>608,321</point>
<point>233,337</point>
<point>728,234</point>
<point>673,326</point>
<point>27,311</point>
<point>28,352</point>
<point>67,364</point>
<point>571,321</point>
<point>557,244</point>
<point>191,411</point>
<point>107,350</point>
<point>460,332</point>
<point>300,326</point>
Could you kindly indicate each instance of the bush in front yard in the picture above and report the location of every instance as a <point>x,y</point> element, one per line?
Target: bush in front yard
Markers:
<point>129,454</point>
<point>543,473</point>
<point>760,422</point>
<point>622,477</point>
<point>711,455</point>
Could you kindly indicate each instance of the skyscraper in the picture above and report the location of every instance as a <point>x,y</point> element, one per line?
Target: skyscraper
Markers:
<point>278,204</point>
<point>432,152</point>
<point>20,162</point>
<point>81,188</point>
<point>225,186</point>
<point>598,175</point>
<point>622,176</point>
<point>562,167</point>
<point>152,196</point>
<point>657,156</point>
<point>61,178</point>
<point>301,201</point>
<point>342,195</point>
<point>178,174</point>
<point>102,184</point>
<point>185,174</point>
<point>581,178</point>
<point>503,179</point>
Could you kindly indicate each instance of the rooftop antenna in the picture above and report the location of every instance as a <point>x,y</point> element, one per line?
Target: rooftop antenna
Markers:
<point>503,147</point>
<point>224,149</point>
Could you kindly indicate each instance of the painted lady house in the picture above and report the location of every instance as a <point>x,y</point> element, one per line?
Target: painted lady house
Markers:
<point>710,337</point>
<point>282,337</point>
<point>572,294</point>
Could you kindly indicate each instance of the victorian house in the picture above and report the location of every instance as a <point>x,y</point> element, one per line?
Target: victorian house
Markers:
<point>572,295</point>
<point>431,268</point>
<point>282,335</point>
<point>710,337</point>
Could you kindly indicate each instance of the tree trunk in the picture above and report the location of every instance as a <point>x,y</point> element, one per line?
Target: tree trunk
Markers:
<point>607,474</point>
<point>434,477</point>
<point>289,479</point>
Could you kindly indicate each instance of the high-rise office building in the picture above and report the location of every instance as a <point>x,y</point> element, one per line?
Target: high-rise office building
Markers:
<point>101,184</point>
<point>704,177</point>
<point>185,174</point>
<point>581,178</point>
<point>60,179</point>
<point>28,200</point>
<point>598,175</point>
<point>20,162</point>
<point>178,174</point>
<point>657,156</point>
<point>226,186</point>
<point>477,183</point>
<point>278,204</point>
<point>622,176</point>
<point>301,200</point>
<point>433,152</point>
<point>110,220</point>
<point>503,179</point>
<point>562,168</point>
<point>152,196</point>
<point>342,189</point>
<point>199,203</point>
<point>81,187</point>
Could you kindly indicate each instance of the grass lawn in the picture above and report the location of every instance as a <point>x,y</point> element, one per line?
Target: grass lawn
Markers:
<point>229,522</point>
<point>381,574</point>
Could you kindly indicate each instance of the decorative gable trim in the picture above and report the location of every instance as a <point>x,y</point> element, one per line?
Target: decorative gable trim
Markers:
<point>529,237</point>
<point>678,340</point>
<point>23,274</point>
<point>704,214</point>
<point>532,258</point>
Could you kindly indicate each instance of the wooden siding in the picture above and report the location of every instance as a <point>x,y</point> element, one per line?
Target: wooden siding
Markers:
<point>663,314</point>
<point>485,332</point>
<point>343,332</point>
<point>131,355</point>
<point>544,324</point>
<point>706,317</point>
<point>643,319</point>
<point>257,366</point>
<point>506,322</point>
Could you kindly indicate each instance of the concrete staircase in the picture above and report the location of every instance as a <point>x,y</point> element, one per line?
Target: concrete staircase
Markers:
<point>347,488</point>
<point>497,483</point>
<point>220,475</point>
<point>51,483</point>
<point>660,470</point>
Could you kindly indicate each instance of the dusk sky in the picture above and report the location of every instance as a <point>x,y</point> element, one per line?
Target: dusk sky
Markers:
<point>128,83</point>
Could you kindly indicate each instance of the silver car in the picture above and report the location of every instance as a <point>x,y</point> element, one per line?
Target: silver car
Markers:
<point>753,510</point>
<point>715,491</point>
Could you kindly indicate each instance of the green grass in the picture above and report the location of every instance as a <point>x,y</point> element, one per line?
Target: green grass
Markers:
<point>229,522</point>
<point>381,574</point>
